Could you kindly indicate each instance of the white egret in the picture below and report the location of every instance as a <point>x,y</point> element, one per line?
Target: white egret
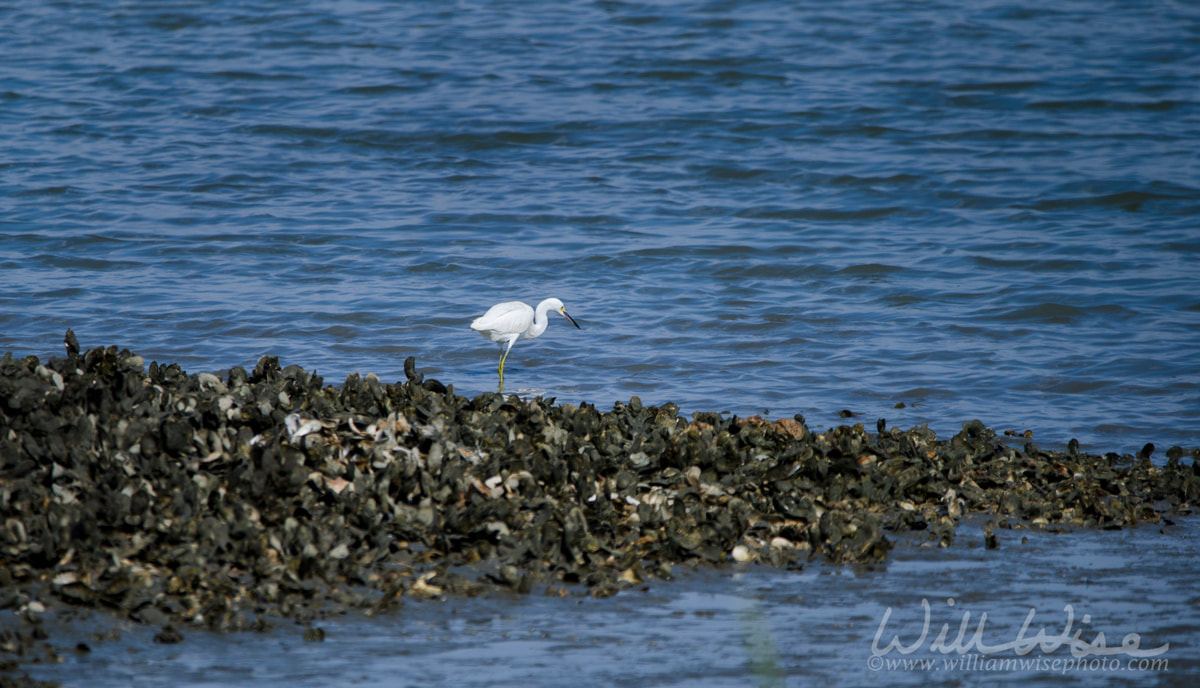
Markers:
<point>507,322</point>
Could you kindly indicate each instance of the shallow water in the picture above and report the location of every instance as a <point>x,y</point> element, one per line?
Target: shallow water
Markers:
<point>979,210</point>
<point>737,626</point>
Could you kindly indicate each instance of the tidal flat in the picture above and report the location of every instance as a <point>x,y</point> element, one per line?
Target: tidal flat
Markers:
<point>224,502</point>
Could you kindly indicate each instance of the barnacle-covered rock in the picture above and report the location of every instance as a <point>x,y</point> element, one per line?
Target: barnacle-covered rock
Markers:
<point>212,499</point>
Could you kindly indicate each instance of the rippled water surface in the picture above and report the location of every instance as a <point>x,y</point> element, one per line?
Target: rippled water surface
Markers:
<point>975,209</point>
<point>743,625</point>
<point>984,209</point>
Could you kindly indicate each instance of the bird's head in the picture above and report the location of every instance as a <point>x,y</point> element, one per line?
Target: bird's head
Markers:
<point>558,306</point>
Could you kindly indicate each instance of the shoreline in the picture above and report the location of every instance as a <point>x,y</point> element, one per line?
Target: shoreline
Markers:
<point>181,500</point>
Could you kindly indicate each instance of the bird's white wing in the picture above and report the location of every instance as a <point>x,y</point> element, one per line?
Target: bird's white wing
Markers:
<point>504,320</point>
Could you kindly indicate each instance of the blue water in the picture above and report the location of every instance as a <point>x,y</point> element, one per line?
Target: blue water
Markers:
<point>980,210</point>
<point>977,209</point>
<point>744,625</point>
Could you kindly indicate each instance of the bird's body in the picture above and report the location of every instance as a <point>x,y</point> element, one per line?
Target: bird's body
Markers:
<point>507,322</point>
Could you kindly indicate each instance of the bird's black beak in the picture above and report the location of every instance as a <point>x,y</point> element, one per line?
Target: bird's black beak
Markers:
<point>564,312</point>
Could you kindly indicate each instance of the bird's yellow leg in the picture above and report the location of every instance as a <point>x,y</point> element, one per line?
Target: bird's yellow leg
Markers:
<point>502,369</point>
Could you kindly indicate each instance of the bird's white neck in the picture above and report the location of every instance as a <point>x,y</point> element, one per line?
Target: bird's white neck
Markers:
<point>540,321</point>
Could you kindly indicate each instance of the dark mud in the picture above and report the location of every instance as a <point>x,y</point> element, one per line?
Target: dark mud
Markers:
<point>221,500</point>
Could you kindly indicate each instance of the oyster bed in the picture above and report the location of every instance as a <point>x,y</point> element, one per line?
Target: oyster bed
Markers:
<point>181,499</point>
